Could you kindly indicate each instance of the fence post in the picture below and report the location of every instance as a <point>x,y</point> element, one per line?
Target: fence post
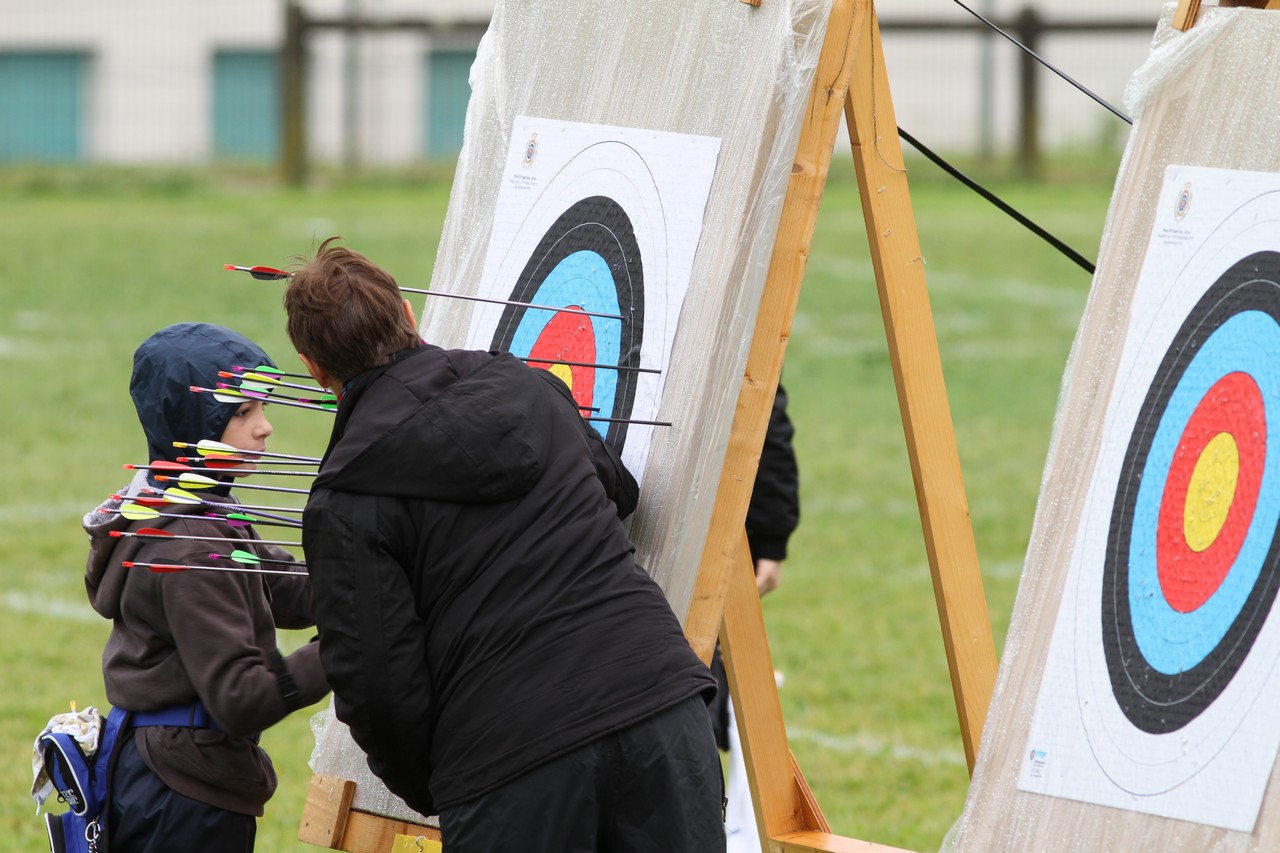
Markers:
<point>293,147</point>
<point>1029,27</point>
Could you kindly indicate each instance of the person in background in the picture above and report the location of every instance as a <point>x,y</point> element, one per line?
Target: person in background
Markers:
<point>192,654</point>
<point>772,516</point>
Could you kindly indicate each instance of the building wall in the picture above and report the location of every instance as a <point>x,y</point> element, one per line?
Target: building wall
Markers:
<point>150,69</point>
<point>149,84</point>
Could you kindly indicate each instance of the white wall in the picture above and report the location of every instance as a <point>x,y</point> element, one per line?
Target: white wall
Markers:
<point>937,79</point>
<point>152,66</point>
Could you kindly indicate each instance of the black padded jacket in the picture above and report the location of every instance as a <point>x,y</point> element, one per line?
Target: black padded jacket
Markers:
<point>479,607</point>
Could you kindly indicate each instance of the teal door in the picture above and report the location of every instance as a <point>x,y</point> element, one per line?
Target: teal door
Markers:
<point>246,106</point>
<point>447,95</point>
<point>42,105</point>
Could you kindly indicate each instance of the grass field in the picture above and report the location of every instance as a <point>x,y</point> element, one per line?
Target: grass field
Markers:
<point>94,262</point>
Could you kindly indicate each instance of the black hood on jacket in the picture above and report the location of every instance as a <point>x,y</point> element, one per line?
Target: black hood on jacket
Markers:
<point>454,425</point>
<point>167,364</point>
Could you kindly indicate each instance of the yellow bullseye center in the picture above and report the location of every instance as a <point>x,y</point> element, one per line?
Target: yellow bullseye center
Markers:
<point>1210,492</point>
<point>565,375</point>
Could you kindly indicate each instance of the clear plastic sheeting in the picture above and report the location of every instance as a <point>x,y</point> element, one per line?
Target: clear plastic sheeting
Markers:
<point>1206,97</point>
<point>717,68</point>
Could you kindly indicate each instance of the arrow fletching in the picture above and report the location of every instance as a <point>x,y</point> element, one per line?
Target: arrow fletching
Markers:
<point>158,465</point>
<point>208,447</point>
<point>266,368</point>
<point>239,557</point>
<point>190,480</point>
<point>138,512</point>
<point>181,496</point>
<point>260,273</point>
<point>250,559</point>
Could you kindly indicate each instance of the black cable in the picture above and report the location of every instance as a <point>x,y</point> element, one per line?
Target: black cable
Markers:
<point>1062,247</point>
<point>1045,62</point>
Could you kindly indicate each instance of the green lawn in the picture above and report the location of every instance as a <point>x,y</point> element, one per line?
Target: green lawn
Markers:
<point>94,262</point>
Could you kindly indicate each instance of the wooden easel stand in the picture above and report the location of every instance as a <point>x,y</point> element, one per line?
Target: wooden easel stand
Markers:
<point>725,603</point>
<point>786,812</point>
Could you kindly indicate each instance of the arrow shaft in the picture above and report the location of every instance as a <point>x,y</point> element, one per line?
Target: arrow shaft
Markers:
<point>206,447</point>
<point>137,535</point>
<point>182,567</point>
<point>238,395</point>
<point>562,310</point>
<point>192,480</point>
<point>255,472</point>
<point>248,376</point>
<point>214,515</point>
<point>257,509</point>
<point>531,360</point>
<point>272,396</point>
<point>273,371</point>
<point>627,421</point>
<point>274,488</point>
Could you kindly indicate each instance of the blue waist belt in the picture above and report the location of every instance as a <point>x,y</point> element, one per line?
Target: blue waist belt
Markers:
<point>193,715</point>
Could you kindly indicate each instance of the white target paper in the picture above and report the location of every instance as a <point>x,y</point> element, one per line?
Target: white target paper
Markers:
<point>1161,693</point>
<point>603,220</point>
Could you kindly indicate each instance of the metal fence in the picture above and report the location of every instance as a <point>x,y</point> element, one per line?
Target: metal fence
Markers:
<point>1033,86</point>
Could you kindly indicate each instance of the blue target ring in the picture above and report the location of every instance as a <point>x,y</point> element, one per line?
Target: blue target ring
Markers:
<point>1166,666</point>
<point>588,258</point>
<point>1173,642</point>
<point>582,279</point>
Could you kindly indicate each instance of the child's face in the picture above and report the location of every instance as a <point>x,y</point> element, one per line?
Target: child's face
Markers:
<point>248,430</point>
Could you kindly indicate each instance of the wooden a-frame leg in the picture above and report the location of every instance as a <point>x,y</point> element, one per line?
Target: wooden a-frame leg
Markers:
<point>787,814</point>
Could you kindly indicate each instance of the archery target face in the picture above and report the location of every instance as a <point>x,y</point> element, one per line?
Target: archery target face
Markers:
<point>1162,664</point>
<point>587,259</point>
<point>600,220</point>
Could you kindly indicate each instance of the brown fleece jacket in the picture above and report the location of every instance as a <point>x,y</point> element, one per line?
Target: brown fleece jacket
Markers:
<point>178,637</point>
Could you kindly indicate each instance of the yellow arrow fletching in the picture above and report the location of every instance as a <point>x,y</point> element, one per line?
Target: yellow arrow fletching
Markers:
<point>196,481</point>
<point>138,512</point>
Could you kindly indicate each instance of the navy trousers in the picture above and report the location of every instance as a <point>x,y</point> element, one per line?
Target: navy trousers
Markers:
<point>145,816</point>
<point>654,786</point>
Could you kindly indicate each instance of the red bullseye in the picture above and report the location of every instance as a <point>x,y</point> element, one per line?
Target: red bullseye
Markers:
<point>569,338</point>
<point>1229,424</point>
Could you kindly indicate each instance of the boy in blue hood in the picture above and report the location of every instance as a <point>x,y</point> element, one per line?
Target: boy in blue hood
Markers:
<point>491,642</point>
<point>193,654</point>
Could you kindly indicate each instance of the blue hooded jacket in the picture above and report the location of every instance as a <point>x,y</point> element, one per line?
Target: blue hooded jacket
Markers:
<point>167,364</point>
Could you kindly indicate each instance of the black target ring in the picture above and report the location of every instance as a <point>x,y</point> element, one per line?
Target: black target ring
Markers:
<point>600,226</point>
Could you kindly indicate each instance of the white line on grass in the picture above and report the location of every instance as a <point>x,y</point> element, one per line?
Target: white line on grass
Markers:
<point>43,605</point>
<point>866,744</point>
<point>26,513</point>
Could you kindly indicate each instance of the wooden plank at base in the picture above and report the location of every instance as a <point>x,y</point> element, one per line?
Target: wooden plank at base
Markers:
<point>369,833</point>
<point>324,815</point>
<point>329,821</point>
<point>821,842</point>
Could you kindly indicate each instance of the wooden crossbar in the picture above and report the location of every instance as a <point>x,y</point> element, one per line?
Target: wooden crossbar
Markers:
<point>1184,17</point>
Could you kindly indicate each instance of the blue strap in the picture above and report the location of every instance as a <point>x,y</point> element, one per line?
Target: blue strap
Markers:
<point>194,715</point>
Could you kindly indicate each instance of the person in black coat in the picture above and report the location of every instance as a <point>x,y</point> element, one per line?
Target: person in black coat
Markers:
<point>491,642</point>
<point>772,516</point>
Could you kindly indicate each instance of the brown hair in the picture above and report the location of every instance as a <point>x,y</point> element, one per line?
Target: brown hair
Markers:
<point>345,312</point>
